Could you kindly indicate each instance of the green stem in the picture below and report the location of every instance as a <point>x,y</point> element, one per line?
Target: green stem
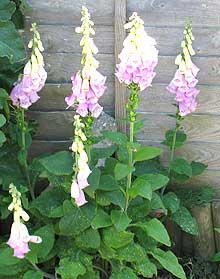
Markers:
<point>47,275</point>
<point>24,148</point>
<point>7,110</point>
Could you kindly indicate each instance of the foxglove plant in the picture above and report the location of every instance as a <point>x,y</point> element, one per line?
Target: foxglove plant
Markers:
<point>88,85</point>
<point>19,237</point>
<point>25,93</point>
<point>138,59</point>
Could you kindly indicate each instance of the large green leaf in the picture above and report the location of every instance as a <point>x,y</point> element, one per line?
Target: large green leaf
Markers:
<point>124,273</point>
<point>40,251</point>
<point>120,220</point>
<point>179,141</point>
<point>122,170</point>
<point>155,229</point>
<point>142,188</point>
<point>102,153</point>
<point>33,274</point>
<point>7,8</point>
<point>185,220</point>
<point>69,269</point>
<point>181,166</point>
<point>88,239</point>
<point>169,261</point>
<point>131,253</point>
<point>101,220</point>
<point>108,183</point>
<point>147,153</point>
<point>156,181</point>
<point>2,120</point>
<point>146,268</point>
<point>60,163</point>
<point>2,138</point>
<point>198,168</point>
<point>171,202</point>
<point>50,202</point>
<point>115,137</point>
<point>115,239</point>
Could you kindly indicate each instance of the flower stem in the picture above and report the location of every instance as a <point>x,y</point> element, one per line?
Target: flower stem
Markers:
<point>24,149</point>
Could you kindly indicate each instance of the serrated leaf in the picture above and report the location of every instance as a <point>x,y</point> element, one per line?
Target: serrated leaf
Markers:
<point>115,239</point>
<point>171,202</point>
<point>198,168</point>
<point>147,153</point>
<point>181,166</point>
<point>69,269</point>
<point>60,163</point>
<point>169,261</point>
<point>142,188</point>
<point>155,229</point>
<point>115,137</point>
<point>101,220</point>
<point>120,220</point>
<point>122,170</point>
<point>185,220</point>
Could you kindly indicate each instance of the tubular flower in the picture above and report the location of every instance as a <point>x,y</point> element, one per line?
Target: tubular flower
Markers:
<point>139,56</point>
<point>184,82</point>
<point>24,94</point>
<point>19,237</point>
<point>88,85</point>
<point>81,167</point>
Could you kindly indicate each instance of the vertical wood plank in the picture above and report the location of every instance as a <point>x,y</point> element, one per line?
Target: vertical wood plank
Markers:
<point>216,222</point>
<point>204,243</point>
<point>120,34</point>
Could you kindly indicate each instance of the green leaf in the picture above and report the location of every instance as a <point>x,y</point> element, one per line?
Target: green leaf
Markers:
<point>157,203</point>
<point>180,138</point>
<point>169,261</point>
<point>69,269</point>
<point>101,220</point>
<point>123,154</point>
<point>110,164</point>
<point>156,181</point>
<point>76,220</point>
<point>94,181</point>
<point>114,197</point>
<point>147,153</point>
<point>184,219</point>
<point>181,166</point>
<point>108,183</point>
<point>41,250</point>
<point>120,220</point>
<point>88,239</point>
<point>115,239</point>
<point>102,153</point>
<point>50,202</point>
<point>155,229</point>
<point>60,163</point>
<point>131,253</point>
<point>171,202</point>
<point>139,208</point>
<point>146,268</point>
<point>138,125</point>
<point>198,168</point>
<point>124,273</point>
<point>142,188</point>
<point>216,257</point>
<point>115,137</point>
<point>33,274</point>
<point>2,120</point>
<point>122,170</point>
<point>2,138</point>
<point>217,230</point>
<point>7,8</point>
<point>7,258</point>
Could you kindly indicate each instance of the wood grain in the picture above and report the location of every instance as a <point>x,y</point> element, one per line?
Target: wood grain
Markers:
<point>52,98</point>
<point>69,11</point>
<point>64,39</point>
<point>120,34</point>
<point>216,222</point>
<point>60,67</point>
<point>176,13</point>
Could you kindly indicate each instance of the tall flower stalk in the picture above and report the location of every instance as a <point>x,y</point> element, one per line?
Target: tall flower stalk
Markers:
<point>25,93</point>
<point>138,59</point>
<point>183,85</point>
<point>88,85</point>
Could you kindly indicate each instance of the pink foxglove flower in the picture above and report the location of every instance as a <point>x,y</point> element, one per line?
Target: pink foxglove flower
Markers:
<point>88,85</point>
<point>25,93</point>
<point>139,56</point>
<point>184,82</point>
<point>19,237</point>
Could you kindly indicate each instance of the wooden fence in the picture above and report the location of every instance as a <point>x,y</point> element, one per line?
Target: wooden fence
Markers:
<point>164,20</point>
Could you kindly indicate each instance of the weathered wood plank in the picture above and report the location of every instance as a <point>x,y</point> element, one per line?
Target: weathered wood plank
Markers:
<point>199,128</point>
<point>63,38</point>
<point>69,12</point>
<point>173,13</point>
<point>52,98</point>
<point>60,67</point>
<point>158,99</point>
<point>120,34</point>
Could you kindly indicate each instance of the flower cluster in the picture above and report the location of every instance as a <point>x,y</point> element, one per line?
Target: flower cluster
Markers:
<point>88,85</point>
<point>24,94</point>
<point>19,237</point>
<point>185,81</point>
<point>139,56</point>
<point>81,168</point>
